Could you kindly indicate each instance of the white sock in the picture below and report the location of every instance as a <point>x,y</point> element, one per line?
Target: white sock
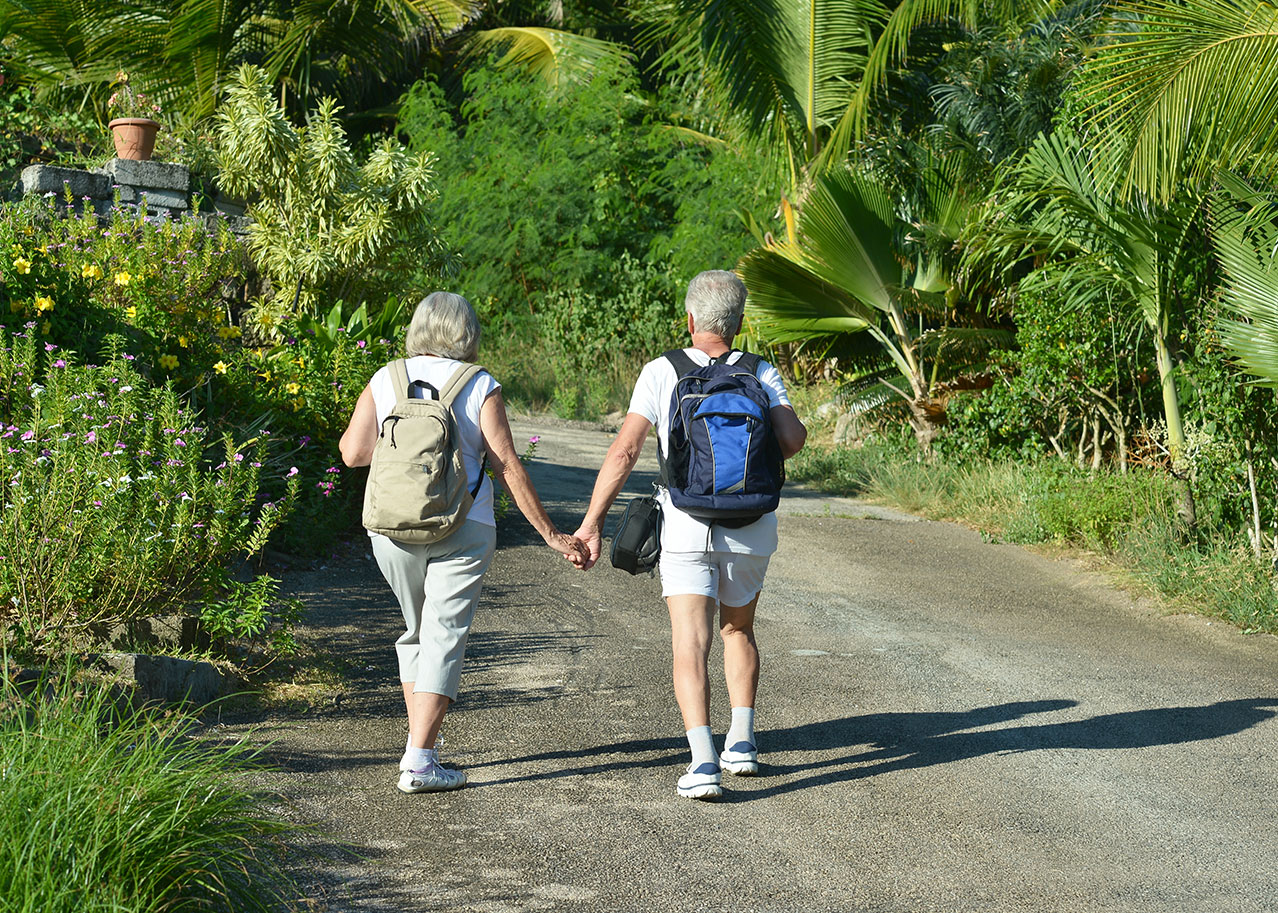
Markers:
<point>419,758</point>
<point>742,729</point>
<point>701,741</point>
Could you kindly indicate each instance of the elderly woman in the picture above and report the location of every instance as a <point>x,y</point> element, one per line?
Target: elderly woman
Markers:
<point>438,585</point>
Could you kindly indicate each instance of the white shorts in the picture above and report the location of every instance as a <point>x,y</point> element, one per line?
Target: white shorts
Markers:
<point>731,578</point>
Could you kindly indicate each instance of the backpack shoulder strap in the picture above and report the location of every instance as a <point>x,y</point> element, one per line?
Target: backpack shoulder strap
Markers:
<point>683,364</point>
<point>456,383</point>
<point>748,360</point>
<point>399,378</point>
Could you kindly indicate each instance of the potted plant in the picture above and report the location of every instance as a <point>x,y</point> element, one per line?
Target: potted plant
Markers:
<point>133,125</point>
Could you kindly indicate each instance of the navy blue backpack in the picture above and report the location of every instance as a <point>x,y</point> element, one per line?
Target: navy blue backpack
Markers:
<point>724,463</point>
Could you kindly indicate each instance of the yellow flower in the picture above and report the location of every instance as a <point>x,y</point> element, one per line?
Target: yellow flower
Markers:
<point>123,278</point>
<point>44,303</point>
<point>184,342</point>
<point>300,362</point>
<point>265,375</point>
<point>293,389</point>
<point>22,265</point>
<point>168,362</point>
<point>221,367</point>
<point>228,332</point>
<point>297,405</point>
<point>91,271</point>
<point>131,312</point>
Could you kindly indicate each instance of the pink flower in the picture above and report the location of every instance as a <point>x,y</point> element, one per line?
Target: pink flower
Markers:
<point>536,438</point>
<point>291,472</point>
<point>59,363</point>
<point>28,435</point>
<point>360,344</point>
<point>91,437</point>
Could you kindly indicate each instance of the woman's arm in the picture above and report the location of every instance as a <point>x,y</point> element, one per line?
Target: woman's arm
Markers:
<point>508,470</point>
<point>360,436</point>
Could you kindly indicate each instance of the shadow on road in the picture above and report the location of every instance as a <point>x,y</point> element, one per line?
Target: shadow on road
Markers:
<point>906,741</point>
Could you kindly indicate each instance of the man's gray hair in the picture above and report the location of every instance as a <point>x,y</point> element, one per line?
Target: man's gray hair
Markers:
<point>716,301</point>
<point>444,324</point>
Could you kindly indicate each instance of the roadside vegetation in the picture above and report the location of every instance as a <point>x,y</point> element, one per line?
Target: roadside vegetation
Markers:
<point>109,808</point>
<point>1022,252</point>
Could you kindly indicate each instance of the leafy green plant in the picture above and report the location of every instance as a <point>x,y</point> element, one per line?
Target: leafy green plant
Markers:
<point>250,610</point>
<point>110,809</point>
<point>324,226</point>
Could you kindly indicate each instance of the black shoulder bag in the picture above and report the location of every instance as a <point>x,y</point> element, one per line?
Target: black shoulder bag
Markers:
<point>636,545</point>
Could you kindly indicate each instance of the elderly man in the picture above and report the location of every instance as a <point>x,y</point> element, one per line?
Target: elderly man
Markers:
<point>706,566</point>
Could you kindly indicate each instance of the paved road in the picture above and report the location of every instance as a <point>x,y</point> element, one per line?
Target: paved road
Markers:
<point>947,725</point>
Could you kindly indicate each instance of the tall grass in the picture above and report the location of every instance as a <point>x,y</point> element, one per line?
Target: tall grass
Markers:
<point>105,808</point>
<point>1128,518</point>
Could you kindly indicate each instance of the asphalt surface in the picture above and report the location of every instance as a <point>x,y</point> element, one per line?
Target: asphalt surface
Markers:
<point>945,725</point>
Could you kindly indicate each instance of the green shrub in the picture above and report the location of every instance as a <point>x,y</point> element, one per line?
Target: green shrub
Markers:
<point>324,226</point>
<point>112,505</point>
<point>1130,518</point>
<point>104,810</point>
<point>1095,511</point>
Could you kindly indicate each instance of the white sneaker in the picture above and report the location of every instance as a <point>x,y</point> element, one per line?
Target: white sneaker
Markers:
<point>431,779</point>
<point>702,783</point>
<point>741,759</point>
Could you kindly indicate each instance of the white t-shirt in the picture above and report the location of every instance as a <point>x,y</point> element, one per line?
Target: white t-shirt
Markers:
<point>466,407</point>
<point>681,532</point>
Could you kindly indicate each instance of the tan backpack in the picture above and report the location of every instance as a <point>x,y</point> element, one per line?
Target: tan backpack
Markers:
<point>417,490</point>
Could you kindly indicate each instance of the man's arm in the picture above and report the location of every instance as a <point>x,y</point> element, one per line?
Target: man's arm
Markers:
<point>790,432</point>
<point>621,459</point>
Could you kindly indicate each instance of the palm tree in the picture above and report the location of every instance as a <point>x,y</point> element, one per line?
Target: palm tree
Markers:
<point>839,270</point>
<point>1060,209</point>
<point>891,44</point>
<point>778,72</point>
<point>1190,87</point>
<point>186,50</point>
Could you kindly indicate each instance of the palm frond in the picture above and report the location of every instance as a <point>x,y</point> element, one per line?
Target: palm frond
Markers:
<point>890,49</point>
<point>1193,88</point>
<point>551,55</point>
<point>1245,239</point>
<point>871,391</point>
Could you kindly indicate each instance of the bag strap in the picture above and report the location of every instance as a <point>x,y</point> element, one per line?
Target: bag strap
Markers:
<point>448,394</point>
<point>460,378</point>
<point>399,378</point>
<point>681,360</point>
<point>748,360</point>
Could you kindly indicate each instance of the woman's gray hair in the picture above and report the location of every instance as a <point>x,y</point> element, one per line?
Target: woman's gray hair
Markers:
<point>444,324</point>
<point>716,301</point>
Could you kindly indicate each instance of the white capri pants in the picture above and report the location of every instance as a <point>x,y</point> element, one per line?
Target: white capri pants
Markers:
<point>437,586</point>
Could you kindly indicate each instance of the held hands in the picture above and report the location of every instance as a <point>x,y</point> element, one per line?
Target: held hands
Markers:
<point>592,539</point>
<point>572,548</point>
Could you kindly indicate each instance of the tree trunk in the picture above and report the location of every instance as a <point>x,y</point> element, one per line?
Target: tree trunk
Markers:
<point>926,418</point>
<point>1186,512</point>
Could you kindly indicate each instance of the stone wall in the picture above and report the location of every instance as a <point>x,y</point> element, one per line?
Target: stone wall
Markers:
<point>164,188</point>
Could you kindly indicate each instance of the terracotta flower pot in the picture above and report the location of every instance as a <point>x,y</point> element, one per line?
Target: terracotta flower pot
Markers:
<point>134,137</point>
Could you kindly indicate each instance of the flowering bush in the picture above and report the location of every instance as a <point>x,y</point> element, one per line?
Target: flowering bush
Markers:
<point>115,502</point>
<point>172,288</point>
